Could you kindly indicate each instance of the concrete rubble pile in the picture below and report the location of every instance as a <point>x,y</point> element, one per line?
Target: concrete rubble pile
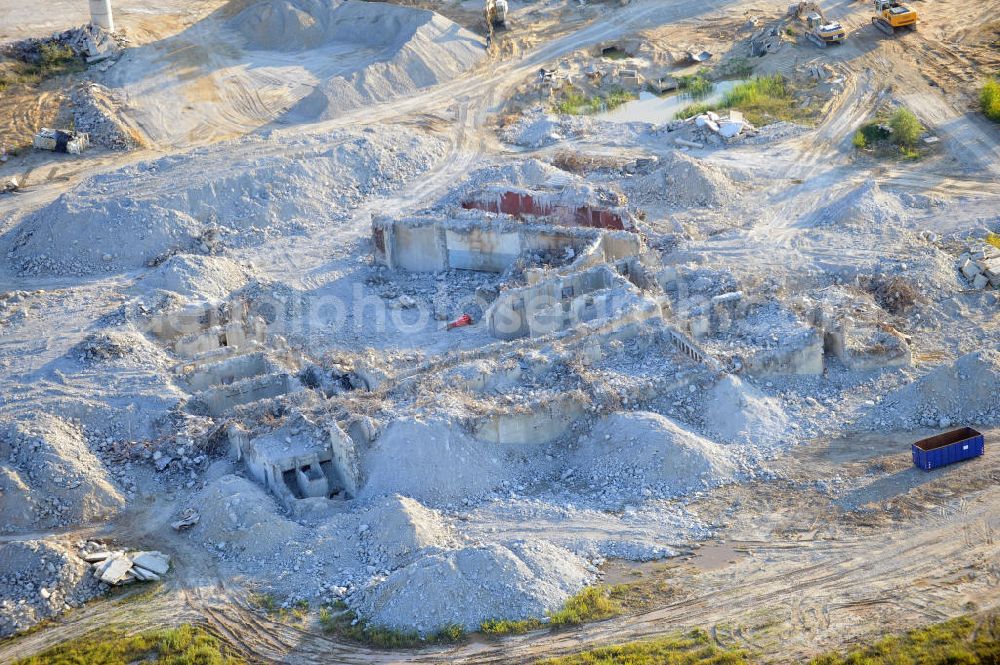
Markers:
<point>116,567</point>
<point>89,42</point>
<point>95,111</point>
<point>981,266</point>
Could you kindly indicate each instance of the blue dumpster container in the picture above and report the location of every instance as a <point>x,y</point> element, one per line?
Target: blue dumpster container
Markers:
<point>948,448</point>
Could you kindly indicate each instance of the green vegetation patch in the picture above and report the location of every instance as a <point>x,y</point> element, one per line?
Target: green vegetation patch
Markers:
<point>962,641</point>
<point>183,645</point>
<point>594,603</point>
<point>575,102</point>
<point>697,86</point>
<point>989,100</point>
<point>763,100</point>
<point>54,59</point>
<point>895,134</point>
<point>342,622</point>
<point>693,648</point>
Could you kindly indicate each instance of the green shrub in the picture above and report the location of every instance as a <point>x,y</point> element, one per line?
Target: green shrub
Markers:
<point>870,134</point>
<point>184,645</point>
<point>906,129</point>
<point>989,100</point>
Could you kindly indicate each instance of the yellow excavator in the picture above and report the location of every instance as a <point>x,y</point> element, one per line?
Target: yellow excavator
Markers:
<point>892,16</point>
<point>820,31</point>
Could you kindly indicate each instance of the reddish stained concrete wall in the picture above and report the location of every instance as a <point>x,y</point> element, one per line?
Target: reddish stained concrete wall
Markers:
<point>518,205</point>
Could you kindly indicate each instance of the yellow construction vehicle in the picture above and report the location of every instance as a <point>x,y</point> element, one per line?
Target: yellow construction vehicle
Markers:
<point>892,15</point>
<point>819,30</point>
<point>495,14</point>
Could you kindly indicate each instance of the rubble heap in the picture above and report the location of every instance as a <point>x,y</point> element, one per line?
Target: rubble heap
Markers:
<point>981,266</point>
<point>117,568</point>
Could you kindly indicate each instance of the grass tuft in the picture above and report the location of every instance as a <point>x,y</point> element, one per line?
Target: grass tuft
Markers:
<point>693,648</point>
<point>342,622</point>
<point>961,641</point>
<point>591,604</point>
<point>53,59</point>
<point>697,86</point>
<point>183,645</point>
<point>594,603</point>
<point>575,102</point>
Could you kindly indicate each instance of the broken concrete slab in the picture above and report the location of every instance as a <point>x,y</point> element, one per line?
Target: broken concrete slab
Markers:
<point>116,569</point>
<point>155,562</point>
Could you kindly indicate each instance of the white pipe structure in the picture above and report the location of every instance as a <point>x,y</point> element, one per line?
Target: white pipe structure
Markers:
<point>100,14</point>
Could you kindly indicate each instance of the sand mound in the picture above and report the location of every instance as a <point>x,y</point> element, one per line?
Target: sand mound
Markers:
<point>243,517</point>
<point>433,462</point>
<point>407,49</point>
<point>196,277</point>
<point>866,208</point>
<point>966,392</point>
<point>474,584</point>
<point>251,64</point>
<point>682,181</point>
<point>737,412</point>
<point>50,478</point>
<point>400,529</point>
<point>241,193</point>
<point>37,580</point>
<point>641,450</point>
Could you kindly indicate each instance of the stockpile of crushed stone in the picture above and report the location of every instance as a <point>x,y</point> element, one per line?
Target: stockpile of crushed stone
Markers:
<point>38,580</point>
<point>409,48</point>
<point>683,181</point>
<point>399,529</point>
<point>432,461</point>
<point>738,412</point>
<point>966,392</point>
<point>866,209</point>
<point>49,477</point>
<point>470,585</point>
<point>240,193</point>
<point>97,111</point>
<point>196,277</point>
<point>639,451</point>
<point>245,520</point>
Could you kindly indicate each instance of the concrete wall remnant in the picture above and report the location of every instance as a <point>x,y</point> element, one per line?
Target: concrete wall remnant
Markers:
<point>300,460</point>
<point>489,244</point>
<point>543,423</point>
<point>575,209</point>
<point>219,400</point>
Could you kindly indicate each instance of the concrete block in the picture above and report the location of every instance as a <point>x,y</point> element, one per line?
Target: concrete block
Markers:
<point>980,281</point>
<point>970,270</point>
